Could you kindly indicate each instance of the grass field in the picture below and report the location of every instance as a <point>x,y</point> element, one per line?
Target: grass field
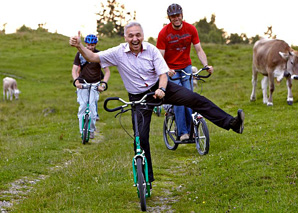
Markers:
<point>45,168</point>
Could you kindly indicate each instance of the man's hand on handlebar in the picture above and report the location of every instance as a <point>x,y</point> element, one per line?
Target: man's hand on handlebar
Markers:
<point>159,94</point>
<point>171,72</point>
<point>100,88</point>
<point>78,85</point>
<point>210,69</point>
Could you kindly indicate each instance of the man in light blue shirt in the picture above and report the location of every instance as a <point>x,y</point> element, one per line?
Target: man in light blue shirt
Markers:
<point>139,71</point>
<point>143,69</point>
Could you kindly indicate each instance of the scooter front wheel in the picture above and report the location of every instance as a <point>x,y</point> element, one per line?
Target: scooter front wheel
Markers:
<point>85,133</point>
<point>141,184</point>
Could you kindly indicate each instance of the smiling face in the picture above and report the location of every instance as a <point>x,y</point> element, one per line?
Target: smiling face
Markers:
<point>176,21</point>
<point>134,36</point>
<point>91,47</point>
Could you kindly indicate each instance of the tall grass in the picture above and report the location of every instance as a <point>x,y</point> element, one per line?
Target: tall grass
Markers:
<point>40,143</point>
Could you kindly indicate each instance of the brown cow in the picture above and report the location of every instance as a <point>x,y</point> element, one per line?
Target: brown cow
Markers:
<point>273,59</point>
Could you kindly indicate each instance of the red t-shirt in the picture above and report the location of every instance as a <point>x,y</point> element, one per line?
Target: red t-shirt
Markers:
<point>177,44</point>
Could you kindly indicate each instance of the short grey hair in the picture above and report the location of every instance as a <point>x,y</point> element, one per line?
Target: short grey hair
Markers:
<point>132,24</point>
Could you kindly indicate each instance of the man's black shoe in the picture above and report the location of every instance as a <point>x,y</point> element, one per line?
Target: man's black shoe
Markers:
<point>237,123</point>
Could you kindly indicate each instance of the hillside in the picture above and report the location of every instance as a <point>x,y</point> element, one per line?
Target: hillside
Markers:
<point>44,166</point>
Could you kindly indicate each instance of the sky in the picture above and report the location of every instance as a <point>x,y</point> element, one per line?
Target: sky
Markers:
<point>67,17</point>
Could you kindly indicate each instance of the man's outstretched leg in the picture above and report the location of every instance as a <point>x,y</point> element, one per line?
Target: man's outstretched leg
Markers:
<point>178,95</point>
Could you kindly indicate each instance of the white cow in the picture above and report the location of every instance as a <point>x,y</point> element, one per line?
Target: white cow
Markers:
<point>10,88</point>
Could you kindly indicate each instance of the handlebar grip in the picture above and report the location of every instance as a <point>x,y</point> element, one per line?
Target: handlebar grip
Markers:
<point>106,103</point>
<point>78,78</point>
<point>153,104</point>
<point>74,82</point>
<point>178,70</point>
<point>150,93</point>
<point>175,78</point>
<point>203,76</point>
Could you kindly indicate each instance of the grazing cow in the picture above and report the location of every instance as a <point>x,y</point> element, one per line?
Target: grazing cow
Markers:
<point>273,59</point>
<point>10,88</point>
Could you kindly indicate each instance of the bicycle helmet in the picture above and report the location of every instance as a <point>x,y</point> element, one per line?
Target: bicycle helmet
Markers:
<point>174,9</point>
<point>91,39</point>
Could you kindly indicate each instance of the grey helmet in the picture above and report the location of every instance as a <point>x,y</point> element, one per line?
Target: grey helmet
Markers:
<point>174,9</point>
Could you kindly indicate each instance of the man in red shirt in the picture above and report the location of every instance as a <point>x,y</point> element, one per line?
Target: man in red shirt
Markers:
<point>174,42</point>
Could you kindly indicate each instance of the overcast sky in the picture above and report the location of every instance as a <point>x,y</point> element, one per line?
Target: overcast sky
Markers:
<point>235,16</point>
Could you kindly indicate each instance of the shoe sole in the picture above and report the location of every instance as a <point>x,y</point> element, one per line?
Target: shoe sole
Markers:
<point>241,115</point>
<point>184,139</point>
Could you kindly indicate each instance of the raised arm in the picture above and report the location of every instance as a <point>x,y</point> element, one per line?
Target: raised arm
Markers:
<point>75,41</point>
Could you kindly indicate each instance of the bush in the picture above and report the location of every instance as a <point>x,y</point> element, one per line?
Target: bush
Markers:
<point>23,29</point>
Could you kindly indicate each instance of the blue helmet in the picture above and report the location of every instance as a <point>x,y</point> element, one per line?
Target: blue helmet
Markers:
<point>91,39</point>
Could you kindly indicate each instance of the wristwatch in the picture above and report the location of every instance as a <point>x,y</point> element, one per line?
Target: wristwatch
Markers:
<point>162,89</point>
<point>103,86</point>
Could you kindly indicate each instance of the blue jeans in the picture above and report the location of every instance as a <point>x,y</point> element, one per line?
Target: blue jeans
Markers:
<point>182,113</point>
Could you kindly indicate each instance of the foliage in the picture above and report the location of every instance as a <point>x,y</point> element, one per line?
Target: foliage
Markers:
<point>208,31</point>
<point>254,39</point>
<point>269,33</point>
<point>112,19</point>
<point>152,40</point>
<point>234,38</point>
<point>41,28</point>
<point>23,29</point>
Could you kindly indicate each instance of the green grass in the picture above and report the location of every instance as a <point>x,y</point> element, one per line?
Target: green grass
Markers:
<point>40,142</point>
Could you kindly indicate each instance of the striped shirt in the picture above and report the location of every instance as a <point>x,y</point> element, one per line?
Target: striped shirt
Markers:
<point>139,73</point>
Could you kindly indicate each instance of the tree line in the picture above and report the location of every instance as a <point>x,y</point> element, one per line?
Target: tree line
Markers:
<point>210,33</point>
<point>113,16</point>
